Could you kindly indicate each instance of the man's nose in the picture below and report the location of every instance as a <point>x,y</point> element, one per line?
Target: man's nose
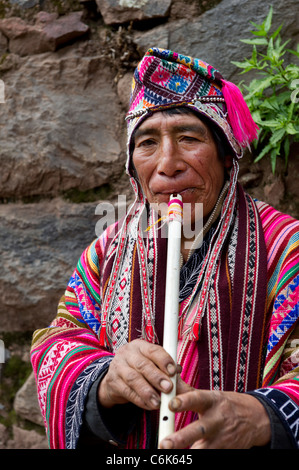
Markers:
<point>170,162</point>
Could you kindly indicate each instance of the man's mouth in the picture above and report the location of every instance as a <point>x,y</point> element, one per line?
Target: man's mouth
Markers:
<point>180,191</point>
<point>187,194</point>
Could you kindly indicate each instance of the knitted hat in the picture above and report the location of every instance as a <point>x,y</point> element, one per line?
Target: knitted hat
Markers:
<point>165,79</point>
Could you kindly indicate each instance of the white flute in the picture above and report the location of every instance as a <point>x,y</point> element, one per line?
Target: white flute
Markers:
<point>171,309</point>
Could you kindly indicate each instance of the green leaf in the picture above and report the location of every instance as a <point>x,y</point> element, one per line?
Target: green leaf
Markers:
<point>258,26</point>
<point>291,129</point>
<point>265,150</point>
<point>283,98</point>
<point>292,70</point>
<point>258,88</point>
<point>270,49</point>
<point>293,52</point>
<point>268,21</point>
<point>273,156</point>
<point>273,35</point>
<point>256,116</point>
<point>286,147</point>
<point>261,32</point>
<point>267,104</point>
<point>272,94</point>
<point>277,136</point>
<point>271,123</point>
<point>284,45</point>
<point>256,41</point>
<point>290,113</point>
<point>242,65</point>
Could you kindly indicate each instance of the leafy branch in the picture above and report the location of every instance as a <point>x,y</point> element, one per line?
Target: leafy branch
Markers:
<point>272,96</point>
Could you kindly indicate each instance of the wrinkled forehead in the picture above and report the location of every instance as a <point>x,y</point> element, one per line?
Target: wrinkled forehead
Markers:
<point>172,121</point>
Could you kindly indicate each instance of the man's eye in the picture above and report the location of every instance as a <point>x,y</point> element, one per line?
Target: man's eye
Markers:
<point>146,143</point>
<point>188,138</point>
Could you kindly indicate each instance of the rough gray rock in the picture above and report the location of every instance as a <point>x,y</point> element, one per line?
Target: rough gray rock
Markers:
<point>3,44</point>
<point>58,126</point>
<point>40,246</point>
<point>3,436</point>
<point>26,404</point>
<point>47,34</point>
<point>24,3</point>
<point>25,439</point>
<point>122,11</point>
<point>215,35</point>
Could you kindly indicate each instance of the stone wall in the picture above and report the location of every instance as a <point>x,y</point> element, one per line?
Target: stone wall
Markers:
<point>67,67</point>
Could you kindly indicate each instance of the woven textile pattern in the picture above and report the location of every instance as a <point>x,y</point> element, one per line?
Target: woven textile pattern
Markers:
<point>168,83</point>
<point>238,325</point>
<point>67,357</point>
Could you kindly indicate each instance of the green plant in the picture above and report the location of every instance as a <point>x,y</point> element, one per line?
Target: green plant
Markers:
<point>272,96</point>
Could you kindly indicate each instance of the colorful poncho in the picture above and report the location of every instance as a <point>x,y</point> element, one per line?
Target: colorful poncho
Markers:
<point>238,328</point>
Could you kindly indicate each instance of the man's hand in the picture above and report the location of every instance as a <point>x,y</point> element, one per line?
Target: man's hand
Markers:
<point>226,420</point>
<point>138,373</point>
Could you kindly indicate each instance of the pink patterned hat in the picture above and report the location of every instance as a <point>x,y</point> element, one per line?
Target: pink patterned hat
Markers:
<point>165,79</point>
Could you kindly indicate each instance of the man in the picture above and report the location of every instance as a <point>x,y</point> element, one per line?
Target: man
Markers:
<point>100,366</point>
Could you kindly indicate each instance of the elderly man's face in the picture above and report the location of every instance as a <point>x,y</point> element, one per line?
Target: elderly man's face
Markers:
<point>177,153</point>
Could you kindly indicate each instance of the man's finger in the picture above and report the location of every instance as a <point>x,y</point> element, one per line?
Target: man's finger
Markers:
<point>140,360</point>
<point>181,386</point>
<point>158,356</point>
<point>185,437</point>
<point>194,400</point>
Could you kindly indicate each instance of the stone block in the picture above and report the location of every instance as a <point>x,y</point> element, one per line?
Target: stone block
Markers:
<point>215,35</point>
<point>122,11</point>
<point>59,125</point>
<point>25,439</point>
<point>26,404</point>
<point>40,245</point>
<point>47,34</point>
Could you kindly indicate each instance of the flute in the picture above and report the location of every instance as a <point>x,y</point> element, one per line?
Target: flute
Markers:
<point>171,309</point>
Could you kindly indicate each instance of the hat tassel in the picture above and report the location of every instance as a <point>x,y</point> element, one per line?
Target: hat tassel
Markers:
<point>238,114</point>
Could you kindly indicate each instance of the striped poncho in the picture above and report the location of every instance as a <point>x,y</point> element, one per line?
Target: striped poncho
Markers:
<point>253,349</point>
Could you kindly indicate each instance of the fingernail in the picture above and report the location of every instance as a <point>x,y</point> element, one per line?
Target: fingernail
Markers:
<point>165,384</point>
<point>175,403</point>
<point>155,402</point>
<point>171,369</point>
<point>166,444</point>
